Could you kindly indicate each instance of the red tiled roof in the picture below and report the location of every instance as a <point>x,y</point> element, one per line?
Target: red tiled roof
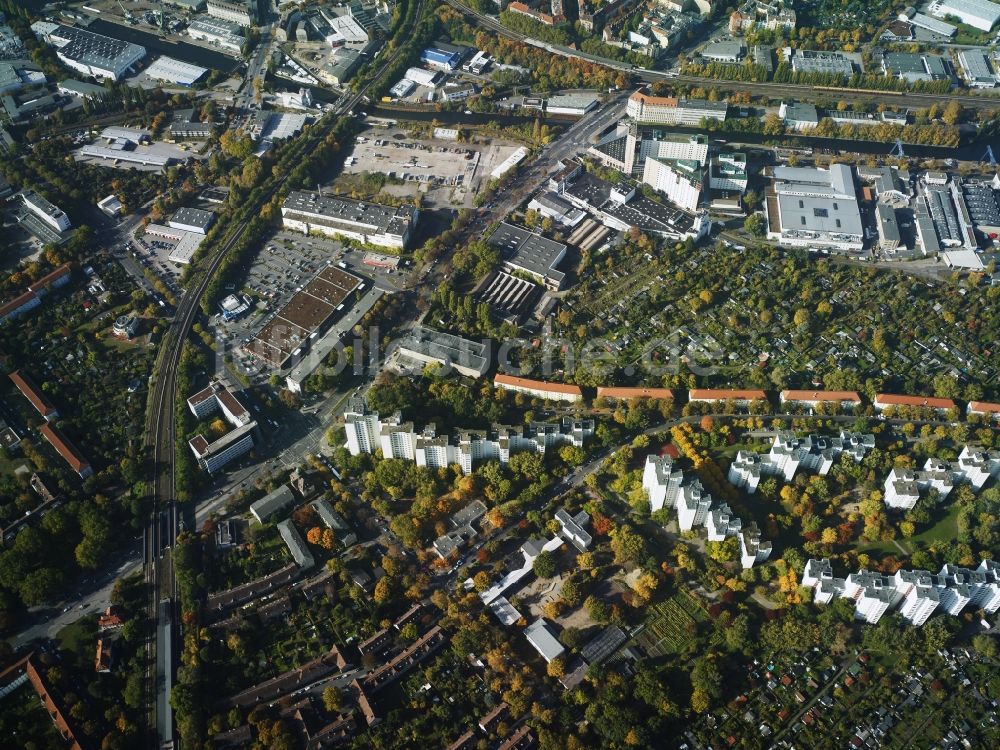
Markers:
<point>14,304</point>
<point>538,385</point>
<point>724,394</point>
<point>895,399</point>
<point>628,393</point>
<point>50,277</point>
<point>41,686</point>
<point>33,393</point>
<point>65,448</point>
<point>984,406</point>
<point>658,101</point>
<point>821,396</point>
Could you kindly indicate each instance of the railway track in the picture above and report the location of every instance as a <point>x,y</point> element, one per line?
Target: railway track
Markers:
<point>162,527</point>
<point>771,88</point>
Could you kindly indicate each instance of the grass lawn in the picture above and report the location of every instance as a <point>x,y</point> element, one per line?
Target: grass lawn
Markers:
<point>79,638</point>
<point>9,464</point>
<point>944,530</point>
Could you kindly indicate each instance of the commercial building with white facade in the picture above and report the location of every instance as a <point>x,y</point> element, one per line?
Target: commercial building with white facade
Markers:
<point>808,207</point>
<point>421,76</point>
<point>218,31</point>
<point>51,214</point>
<point>91,54</point>
<point>242,12</point>
<point>977,69</point>
<point>175,71</point>
<point>213,456</point>
<point>980,14</point>
<point>819,61</point>
<point>668,110</point>
<point>191,220</point>
<point>370,223</point>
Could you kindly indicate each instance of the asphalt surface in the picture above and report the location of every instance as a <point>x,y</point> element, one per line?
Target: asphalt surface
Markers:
<point>770,89</point>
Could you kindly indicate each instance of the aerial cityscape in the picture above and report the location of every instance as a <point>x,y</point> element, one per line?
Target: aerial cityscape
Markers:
<point>499,374</point>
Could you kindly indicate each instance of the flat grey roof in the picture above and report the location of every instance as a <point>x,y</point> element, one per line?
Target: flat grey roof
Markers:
<point>447,347</point>
<point>194,217</point>
<point>82,87</point>
<point>385,219</point>
<point>529,250</point>
<point>545,643</point>
<point>94,49</point>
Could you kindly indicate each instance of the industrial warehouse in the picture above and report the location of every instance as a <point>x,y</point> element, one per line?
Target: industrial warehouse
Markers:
<point>91,54</point>
<point>371,223</point>
<point>304,318</point>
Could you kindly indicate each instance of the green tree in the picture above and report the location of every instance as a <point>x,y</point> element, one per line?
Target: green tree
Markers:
<point>544,565</point>
<point>756,225</point>
<point>333,699</point>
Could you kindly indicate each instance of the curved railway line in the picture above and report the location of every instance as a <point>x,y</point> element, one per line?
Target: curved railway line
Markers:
<point>162,527</point>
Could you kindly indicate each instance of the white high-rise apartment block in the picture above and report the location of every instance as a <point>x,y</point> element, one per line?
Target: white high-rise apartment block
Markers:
<point>818,575</point>
<point>662,482</point>
<point>666,489</point>
<point>977,466</point>
<point>367,432</point>
<point>51,214</point>
<point>983,583</point>
<point>721,523</point>
<point>903,487</point>
<point>681,180</point>
<point>397,438</point>
<point>752,549</point>
<point>873,594</point>
<point>692,506</point>
<point>920,594</point>
<point>362,427</point>
<point>789,452</point>
<point>954,597</point>
<point>746,470</point>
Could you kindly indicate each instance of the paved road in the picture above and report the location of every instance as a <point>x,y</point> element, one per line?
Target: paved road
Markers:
<point>48,621</point>
<point>769,89</point>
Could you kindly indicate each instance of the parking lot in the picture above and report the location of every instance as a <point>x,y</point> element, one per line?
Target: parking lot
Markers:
<point>287,262</point>
<point>151,252</point>
<point>446,172</point>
